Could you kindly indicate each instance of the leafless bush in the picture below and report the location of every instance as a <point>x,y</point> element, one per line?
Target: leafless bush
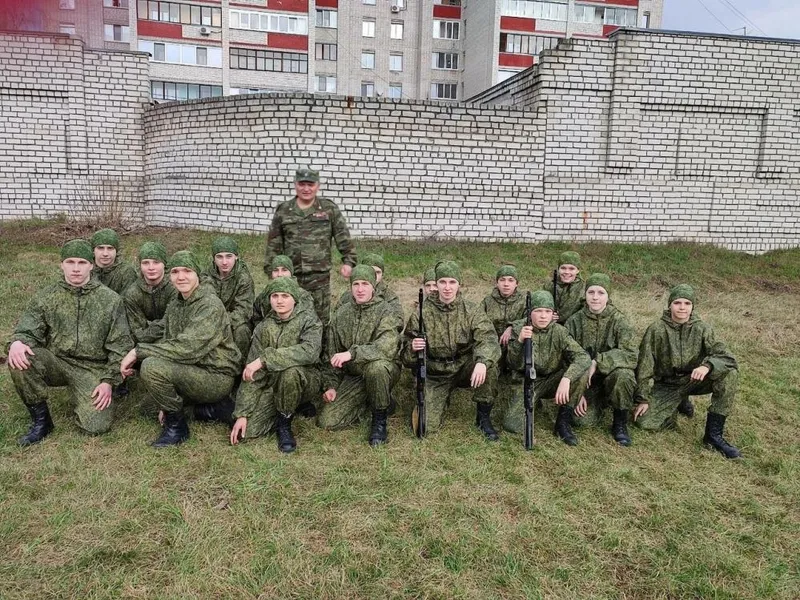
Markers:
<point>107,203</point>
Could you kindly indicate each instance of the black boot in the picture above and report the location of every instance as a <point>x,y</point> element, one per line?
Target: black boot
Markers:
<point>175,431</point>
<point>619,428</point>
<point>307,410</point>
<point>221,412</point>
<point>715,424</point>
<point>378,433</point>
<point>562,430</point>
<point>483,421</point>
<point>283,431</point>
<point>42,425</point>
<point>686,407</point>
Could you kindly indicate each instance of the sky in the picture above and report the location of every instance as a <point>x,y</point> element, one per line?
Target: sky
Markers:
<point>773,18</point>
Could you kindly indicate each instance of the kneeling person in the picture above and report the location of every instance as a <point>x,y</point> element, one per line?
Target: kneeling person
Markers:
<point>362,346</point>
<point>147,298</point>
<point>680,357</point>
<point>608,337</point>
<point>109,268</point>
<point>281,266</point>
<point>73,333</point>
<point>195,362</point>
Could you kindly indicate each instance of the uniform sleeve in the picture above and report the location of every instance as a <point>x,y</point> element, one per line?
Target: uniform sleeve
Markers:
<point>573,355</point>
<point>331,378</point>
<point>304,353</point>
<point>487,348</point>
<point>516,351</point>
<point>32,327</point>
<point>645,368</point>
<point>396,308</point>
<point>718,358</point>
<point>207,331</point>
<point>274,240</point>
<point>117,344</point>
<point>624,354</point>
<point>260,309</point>
<point>341,235</point>
<point>384,344</point>
<point>243,299</point>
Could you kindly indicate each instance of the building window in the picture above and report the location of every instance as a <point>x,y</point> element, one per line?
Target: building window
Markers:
<point>367,89</point>
<point>66,28</point>
<point>367,60</point>
<point>446,30</point>
<point>368,28</point>
<point>396,30</point>
<point>526,44</point>
<point>372,2</point>
<point>448,2</point>
<point>395,62</point>
<point>270,22</point>
<point>167,90</point>
<point>115,3</point>
<point>201,57</point>
<point>173,12</point>
<point>395,90</point>
<point>326,18</point>
<point>117,33</point>
<point>624,17</point>
<point>401,4</point>
<point>588,14</point>
<point>325,51</point>
<point>183,54</point>
<point>444,91</point>
<point>445,60</point>
<point>645,20</point>
<point>66,4</point>
<point>268,60</point>
<point>551,11</point>
<point>326,83</point>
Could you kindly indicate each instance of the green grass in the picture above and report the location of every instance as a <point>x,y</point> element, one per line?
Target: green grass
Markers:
<point>449,517</point>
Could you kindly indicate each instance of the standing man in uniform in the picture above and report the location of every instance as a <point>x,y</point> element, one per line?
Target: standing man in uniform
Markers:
<point>303,228</point>
<point>109,268</point>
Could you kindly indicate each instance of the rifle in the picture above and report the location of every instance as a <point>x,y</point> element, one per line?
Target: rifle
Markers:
<point>419,416</point>
<point>555,288</point>
<point>529,378</point>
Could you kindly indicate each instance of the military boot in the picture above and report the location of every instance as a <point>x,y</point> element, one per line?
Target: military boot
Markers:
<point>283,431</point>
<point>619,428</point>
<point>483,421</point>
<point>378,433</point>
<point>175,431</point>
<point>715,424</point>
<point>686,407</point>
<point>221,411</point>
<point>562,429</point>
<point>42,425</point>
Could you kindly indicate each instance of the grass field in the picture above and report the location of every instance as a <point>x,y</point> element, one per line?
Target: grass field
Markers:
<point>452,516</point>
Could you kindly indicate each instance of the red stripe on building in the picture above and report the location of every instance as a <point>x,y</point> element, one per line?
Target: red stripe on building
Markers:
<point>287,41</point>
<point>288,5</point>
<point>627,3</point>
<point>327,3</point>
<point>446,12</point>
<point>515,60</point>
<point>162,30</point>
<point>517,24</point>
<point>607,29</point>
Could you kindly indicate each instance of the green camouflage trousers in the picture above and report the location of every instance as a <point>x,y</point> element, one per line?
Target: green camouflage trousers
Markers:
<point>614,390</point>
<point>662,411</point>
<point>544,389</point>
<point>241,336</point>
<point>320,290</point>
<point>362,390</point>
<point>170,384</point>
<point>81,378</point>
<point>272,393</point>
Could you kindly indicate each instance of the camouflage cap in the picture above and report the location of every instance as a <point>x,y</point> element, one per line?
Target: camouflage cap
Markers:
<point>507,271</point>
<point>153,251</point>
<point>373,260</point>
<point>429,275</point>
<point>306,174</point>
<point>224,244</point>
<point>105,237</point>
<point>600,279</point>
<point>448,268</point>
<point>183,258</point>
<point>570,258</point>
<point>281,260</point>
<point>77,249</point>
<point>287,285</point>
<point>542,299</point>
<point>682,290</point>
<point>364,273</point>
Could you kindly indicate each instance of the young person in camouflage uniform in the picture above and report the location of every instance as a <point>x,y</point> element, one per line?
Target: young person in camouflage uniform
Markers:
<point>680,356</point>
<point>561,366</point>
<point>302,229</point>
<point>608,337</point>
<point>231,279</point>
<point>110,269</point>
<point>147,298</point>
<point>429,281</point>
<point>73,333</point>
<point>505,304</point>
<point>281,368</point>
<point>360,365</point>
<point>570,288</point>
<point>195,362</point>
<point>461,347</point>
<point>281,266</point>
<point>382,290</point>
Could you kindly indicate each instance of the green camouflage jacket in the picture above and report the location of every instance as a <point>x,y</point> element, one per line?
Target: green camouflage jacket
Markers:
<point>553,350</point>
<point>81,325</point>
<point>305,237</point>
<point>571,297</point>
<point>608,338</point>
<point>197,332</point>
<point>670,351</point>
<point>262,307</point>
<point>504,311</point>
<point>145,307</point>
<point>384,292</point>
<point>236,291</point>
<point>457,333</point>
<point>117,276</point>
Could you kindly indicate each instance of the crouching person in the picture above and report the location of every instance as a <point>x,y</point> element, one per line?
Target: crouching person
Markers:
<point>680,357</point>
<point>561,367</point>
<point>196,362</point>
<point>280,372</point>
<point>360,367</point>
<point>73,333</point>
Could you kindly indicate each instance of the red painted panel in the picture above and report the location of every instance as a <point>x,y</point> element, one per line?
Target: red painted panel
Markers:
<point>634,3</point>
<point>327,3</point>
<point>446,12</point>
<point>287,41</point>
<point>607,29</point>
<point>288,5</point>
<point>162,30</point>
<point>515,60</point>
<point>517,24</point>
